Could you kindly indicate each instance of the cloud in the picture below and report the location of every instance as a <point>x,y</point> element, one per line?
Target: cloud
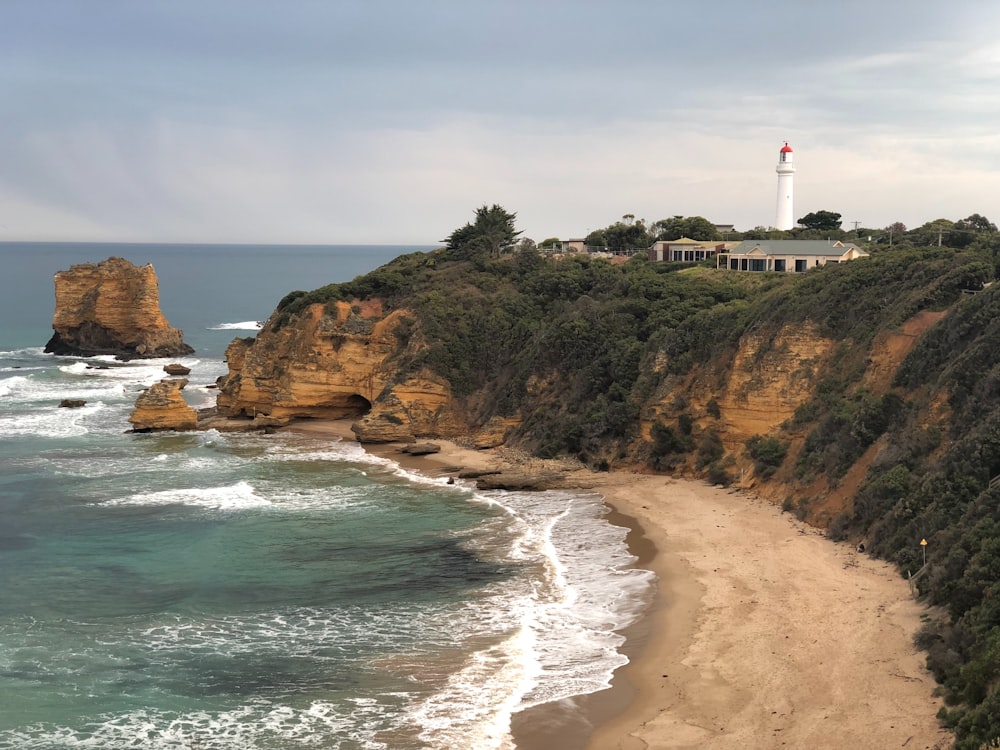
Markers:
<point>391,122</point>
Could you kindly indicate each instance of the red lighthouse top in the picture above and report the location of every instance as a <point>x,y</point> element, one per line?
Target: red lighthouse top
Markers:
<point>786,149</point>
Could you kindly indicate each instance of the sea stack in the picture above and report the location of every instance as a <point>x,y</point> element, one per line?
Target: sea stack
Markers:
<point>112,307</point>
<point>162,407</point>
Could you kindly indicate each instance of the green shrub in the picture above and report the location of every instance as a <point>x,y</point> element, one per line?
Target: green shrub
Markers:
<point>837,530</point>
<point>712,408</point>
<point>805,413</point>
<point>718,474</point>
<point>685,423</point>
<point>710,449</point>
<point>768,454</point>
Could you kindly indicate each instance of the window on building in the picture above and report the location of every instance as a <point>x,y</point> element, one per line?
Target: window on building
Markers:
<point>734,264</point>
<point>779,264</point>
<point>801,266</point>
<point>758,264</point>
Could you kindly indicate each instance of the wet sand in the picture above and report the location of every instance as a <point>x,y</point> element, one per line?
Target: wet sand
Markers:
<point>764,634</point>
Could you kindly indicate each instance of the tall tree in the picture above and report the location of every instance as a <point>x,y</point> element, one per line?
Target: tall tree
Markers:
<point>979,224</point>
<point>628,235</point>
<point>938,232</point>
<point>693,227</point>
<point>820,220</point>
<point>491,234</point>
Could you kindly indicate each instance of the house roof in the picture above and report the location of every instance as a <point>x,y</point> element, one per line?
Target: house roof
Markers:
<point>796,247</point>
<point>686,241</point>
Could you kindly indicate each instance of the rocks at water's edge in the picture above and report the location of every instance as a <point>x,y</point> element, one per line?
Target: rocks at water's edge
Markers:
<point>421,449</point>
<point>162,407</point>
<point>520,482</point>
<point>176,369</point>
<point>112,307</point>
<point>72,403</point>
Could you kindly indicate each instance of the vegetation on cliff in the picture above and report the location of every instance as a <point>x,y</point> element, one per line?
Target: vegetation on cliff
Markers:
<point>632,363</point>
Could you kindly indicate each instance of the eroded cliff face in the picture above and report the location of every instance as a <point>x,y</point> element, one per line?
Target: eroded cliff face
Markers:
<point>340,361</point>
<point>763,384</point>
<point>757,390</point>
<point>352,361</point>
<point>770,379</point>
<point>112,307</point>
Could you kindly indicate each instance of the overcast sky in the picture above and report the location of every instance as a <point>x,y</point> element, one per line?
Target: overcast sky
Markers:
<point>390,121</point>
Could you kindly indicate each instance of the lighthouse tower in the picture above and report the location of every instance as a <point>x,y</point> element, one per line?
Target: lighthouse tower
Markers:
<point>786,171</point>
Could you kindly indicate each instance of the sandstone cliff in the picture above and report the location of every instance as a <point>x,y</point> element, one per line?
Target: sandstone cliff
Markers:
<point>162,407</point>
<point>340,361</point>
<point>649,369</point>
<point>351,361</point>
<point>112,307</point>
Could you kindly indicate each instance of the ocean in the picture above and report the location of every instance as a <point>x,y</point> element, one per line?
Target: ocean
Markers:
<point>206,590</point>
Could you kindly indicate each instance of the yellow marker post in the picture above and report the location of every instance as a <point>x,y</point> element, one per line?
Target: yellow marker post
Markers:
<point>923,544</point>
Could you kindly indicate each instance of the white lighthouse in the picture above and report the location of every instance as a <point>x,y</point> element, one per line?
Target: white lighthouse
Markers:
<point>786,171</point>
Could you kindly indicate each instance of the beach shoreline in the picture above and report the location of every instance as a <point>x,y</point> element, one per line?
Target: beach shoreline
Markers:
<point>762,633</point>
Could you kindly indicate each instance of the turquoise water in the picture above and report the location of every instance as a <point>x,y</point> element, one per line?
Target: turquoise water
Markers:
<point>206,590</point>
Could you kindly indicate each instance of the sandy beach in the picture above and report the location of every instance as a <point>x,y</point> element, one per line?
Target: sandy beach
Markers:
<point>765,634</point>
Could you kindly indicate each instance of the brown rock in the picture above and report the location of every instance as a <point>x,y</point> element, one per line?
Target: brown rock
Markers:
<point>770,379</point>
<point>379,429</point>
<point>262,421</point>
<point>162,407</point>
<point>494,433</point>
<point>476,473</point>
<point>340,361</point>
<point>176,369</point>
<point>112,307</point>
<point>421,449</point>
<point>522,482</point>
<point>72,403</point>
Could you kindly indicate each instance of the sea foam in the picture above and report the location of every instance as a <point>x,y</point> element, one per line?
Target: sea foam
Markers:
<point>237,496</point>
<point>247,325</point>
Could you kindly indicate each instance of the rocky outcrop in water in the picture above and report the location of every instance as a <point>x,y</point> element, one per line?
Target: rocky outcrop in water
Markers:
<point>162,407</point>
<point>112,307</point>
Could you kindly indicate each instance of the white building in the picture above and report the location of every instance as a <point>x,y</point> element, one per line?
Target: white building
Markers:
<point>784,216</point>
<point>684,250</point>
<point>787,256</point>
